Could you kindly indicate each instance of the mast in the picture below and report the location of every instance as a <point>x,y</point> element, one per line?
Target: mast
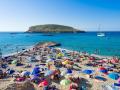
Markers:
<point>99,27</point>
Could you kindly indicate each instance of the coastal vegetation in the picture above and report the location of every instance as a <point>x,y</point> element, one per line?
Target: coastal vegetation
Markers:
<point>53,28</point>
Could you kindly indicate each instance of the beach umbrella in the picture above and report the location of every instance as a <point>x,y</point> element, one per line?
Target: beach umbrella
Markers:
<point>100,78</point>
<point>34,77</point>
<point>35,71</point>
<point>113,76</point>
<point>38,57</point>
<point>36,67</point>
<point>43,83</point>
<point>102,68</point>
<point>87,71</point>
<point>91,58</point>
<point>114,60</point>
<point>20,79</point>
<point>105,59</point>
<point>10,71</point>
<point>68,75</point>
<point>75,85</point>
<point>14,62</point>
<point>63,73</point>
<point>65,62</point>
<point>25,73</point>
<point>49,60</point>
<point>60,55</point>
<point>49,72</point>
<point>65,82</point>
<point>104,71</point>
<point>69,71</point>
<point>101,61</point>
<point>118,80</point>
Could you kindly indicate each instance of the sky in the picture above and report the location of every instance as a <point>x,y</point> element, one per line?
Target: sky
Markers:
<point>19,15</point>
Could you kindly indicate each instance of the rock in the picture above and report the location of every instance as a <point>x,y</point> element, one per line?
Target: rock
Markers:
<point>48,44</point>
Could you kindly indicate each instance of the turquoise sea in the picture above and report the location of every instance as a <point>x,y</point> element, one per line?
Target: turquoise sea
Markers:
<point>108,45</point>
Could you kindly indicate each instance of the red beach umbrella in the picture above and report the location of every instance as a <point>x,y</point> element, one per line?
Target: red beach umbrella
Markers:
<point>102,61</point>
<point>91,58</point>
<point>43,83</point>
<point>114,60</point>
<point>102,68</point>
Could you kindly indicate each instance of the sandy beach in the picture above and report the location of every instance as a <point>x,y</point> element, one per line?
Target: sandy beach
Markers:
<point>63,64</point>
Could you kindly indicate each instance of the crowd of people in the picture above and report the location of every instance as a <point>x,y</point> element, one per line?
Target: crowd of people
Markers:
<point>51,68</point>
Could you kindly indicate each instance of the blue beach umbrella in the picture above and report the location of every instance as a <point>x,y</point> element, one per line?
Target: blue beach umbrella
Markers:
<point>25,73</point>
<point>100,78</point>
<point>113,75</point>
<point>50,60</point>
<point>88,71</point>
<point>69,71</point>
<point>10,71</point>
<point>104,71</point>
<point>37,67</point>
<point>35,78</point>
<point>49,72</point>
<point>35,71</point>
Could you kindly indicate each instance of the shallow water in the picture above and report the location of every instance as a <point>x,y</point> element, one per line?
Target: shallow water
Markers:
<point>108,45</point>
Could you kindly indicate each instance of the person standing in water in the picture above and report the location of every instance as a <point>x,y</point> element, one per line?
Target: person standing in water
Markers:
<point>0,54</point>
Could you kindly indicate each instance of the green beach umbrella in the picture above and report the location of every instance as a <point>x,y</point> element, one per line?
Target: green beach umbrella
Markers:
<point>14,62</point>
<point>65,82</point>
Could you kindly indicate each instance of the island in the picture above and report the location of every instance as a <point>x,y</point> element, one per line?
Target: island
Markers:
<point>53,28</point>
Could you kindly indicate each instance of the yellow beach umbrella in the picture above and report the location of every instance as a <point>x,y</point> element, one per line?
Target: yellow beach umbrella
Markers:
<point>65,63</point>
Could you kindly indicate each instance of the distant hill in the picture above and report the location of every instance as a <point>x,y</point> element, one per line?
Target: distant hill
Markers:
<point>52,28</point>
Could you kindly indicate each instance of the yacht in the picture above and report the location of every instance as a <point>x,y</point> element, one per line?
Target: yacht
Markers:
<point>100,34</point>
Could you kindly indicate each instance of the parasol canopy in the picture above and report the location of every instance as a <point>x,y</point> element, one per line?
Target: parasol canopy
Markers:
<point>65,82</point>
<point>113,76</point>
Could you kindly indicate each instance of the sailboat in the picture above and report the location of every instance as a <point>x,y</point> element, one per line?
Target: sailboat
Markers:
<point>100,34</point>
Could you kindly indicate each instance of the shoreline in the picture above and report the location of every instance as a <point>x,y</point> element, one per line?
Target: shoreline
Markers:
<point>68,50</point>
<point>15,53</point>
